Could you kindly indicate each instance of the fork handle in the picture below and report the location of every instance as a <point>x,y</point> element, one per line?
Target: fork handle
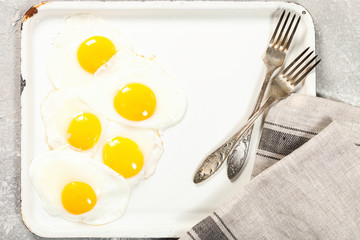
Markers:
<point>214,161</point>
<point>237,157</point>
<point>255,116</point>
<point>264,86</point>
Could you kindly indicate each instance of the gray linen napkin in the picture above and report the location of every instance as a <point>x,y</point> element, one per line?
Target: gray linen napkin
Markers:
<point>292,122</point>
<point>312,193</point>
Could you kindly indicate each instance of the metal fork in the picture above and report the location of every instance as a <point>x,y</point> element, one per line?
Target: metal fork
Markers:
<point>284,84</point>
<point>281,86</point>
<point>274,58</point>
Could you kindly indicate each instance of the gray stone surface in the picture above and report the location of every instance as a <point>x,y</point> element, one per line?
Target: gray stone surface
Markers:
<point>337,25</point>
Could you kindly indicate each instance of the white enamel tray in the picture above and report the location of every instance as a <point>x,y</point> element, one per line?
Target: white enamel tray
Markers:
<point>216,50</point>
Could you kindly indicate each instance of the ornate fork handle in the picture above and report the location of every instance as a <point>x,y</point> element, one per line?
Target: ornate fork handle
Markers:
<point>236,158</point>
<point>214,161</point>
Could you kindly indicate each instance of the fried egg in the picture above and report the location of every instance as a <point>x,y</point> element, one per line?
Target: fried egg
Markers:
<point>136,91</point>
<point>84,44</point>
<point>131,152</point>
<point>77,188</point>
<point>69,122</point>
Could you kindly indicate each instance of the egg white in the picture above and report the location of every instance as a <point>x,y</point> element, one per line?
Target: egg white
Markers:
<point>57,112</point>
<point>64,69</point>
<point>51,171</point>
<point>124,68</point>
<point>149,142</point>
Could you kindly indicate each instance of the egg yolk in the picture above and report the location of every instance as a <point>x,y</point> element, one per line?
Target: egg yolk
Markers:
<point>84,131</point>
<point>123,156</point>
<point>94,52</point>
<point>78,198</point>
<point>135,102</point>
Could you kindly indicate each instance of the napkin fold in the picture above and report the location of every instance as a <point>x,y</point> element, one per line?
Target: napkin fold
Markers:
<point>307,172</point>
<point>294,121</point>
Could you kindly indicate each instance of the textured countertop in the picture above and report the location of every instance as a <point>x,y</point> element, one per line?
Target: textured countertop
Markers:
<point>337,26</point>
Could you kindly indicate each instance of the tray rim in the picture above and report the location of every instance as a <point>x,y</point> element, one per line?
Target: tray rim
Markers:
<point>145,4</point>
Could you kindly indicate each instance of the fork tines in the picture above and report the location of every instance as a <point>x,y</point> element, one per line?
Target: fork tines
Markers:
<point>282,42</point>
<point>295,76</point>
